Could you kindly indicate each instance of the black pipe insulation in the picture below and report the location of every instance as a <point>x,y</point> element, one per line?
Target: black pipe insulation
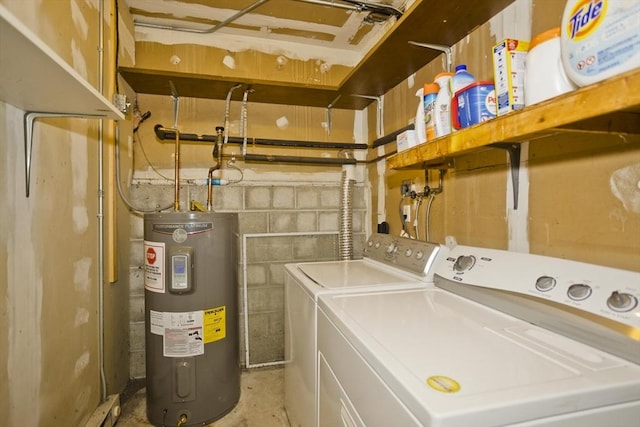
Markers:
<point>163,134</point>
<point>297,159</point>
<point>389,138</point>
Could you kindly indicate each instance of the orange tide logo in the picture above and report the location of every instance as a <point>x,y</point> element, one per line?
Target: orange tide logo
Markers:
<point>585,18</point>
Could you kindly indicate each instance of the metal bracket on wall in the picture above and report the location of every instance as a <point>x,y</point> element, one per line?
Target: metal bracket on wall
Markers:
<point>442,48</point>
<point>514,160</point>
<point>29,118</point>
<point>379,112</point>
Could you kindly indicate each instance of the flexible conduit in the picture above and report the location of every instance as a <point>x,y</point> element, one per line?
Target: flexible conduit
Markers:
<point>345,230</point>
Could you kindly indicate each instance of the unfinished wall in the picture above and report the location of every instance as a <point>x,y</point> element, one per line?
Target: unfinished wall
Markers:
<point>578,196</point>
<point>49,358</point>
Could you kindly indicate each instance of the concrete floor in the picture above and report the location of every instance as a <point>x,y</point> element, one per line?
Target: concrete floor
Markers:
<point>261,403</point>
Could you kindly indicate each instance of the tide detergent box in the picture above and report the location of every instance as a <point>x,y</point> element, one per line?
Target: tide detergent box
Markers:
<point>508,71</point>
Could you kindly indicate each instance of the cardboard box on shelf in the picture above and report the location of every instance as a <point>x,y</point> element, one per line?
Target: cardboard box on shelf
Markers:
<point>406,140</point>
<point>508,69</point>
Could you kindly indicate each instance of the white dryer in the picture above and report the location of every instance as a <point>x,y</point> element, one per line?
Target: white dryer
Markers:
<point>504,339</point>
<point>389,263</point>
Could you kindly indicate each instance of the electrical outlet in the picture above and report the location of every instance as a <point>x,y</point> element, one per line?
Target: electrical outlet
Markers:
<point>406,187</point>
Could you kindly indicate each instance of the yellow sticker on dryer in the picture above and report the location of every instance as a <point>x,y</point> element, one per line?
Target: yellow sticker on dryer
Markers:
<point>215,324</point>
<point>443,384</point>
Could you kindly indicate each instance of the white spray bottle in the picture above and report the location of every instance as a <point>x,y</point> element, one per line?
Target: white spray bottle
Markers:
<point>419,125</point>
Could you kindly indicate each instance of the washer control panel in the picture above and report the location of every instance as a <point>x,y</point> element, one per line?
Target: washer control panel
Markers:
<point>604,291</point>
<point>416,256</point>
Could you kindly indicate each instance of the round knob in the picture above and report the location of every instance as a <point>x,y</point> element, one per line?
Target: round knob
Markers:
<point>370,243</point>
<point>545,283</point>
<point>408,252</point>
<point>620,301</point>
<point>579,291</point>
<point>464,262</point>
<point>419,255</point>
<point>377,245</point>
<point>391,248</point>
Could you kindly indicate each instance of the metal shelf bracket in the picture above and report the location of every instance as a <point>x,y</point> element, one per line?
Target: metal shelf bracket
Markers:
<point>29,118</point>
<point>514,160</point>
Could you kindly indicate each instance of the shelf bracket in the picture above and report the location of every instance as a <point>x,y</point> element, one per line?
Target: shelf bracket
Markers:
<point>514,161</point>
<point>328,113</point>
<point>29,118</point>
<point>442,48</point>
<point>379,112</point>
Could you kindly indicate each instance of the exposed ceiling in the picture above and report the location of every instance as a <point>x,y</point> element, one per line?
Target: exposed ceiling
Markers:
<point>334,31</point>
<point>370,37</point>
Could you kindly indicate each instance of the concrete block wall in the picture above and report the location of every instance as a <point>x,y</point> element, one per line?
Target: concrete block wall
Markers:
<point>277,224</point>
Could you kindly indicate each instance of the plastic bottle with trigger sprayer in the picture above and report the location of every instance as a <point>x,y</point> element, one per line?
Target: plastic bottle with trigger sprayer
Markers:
<point>442,118</point>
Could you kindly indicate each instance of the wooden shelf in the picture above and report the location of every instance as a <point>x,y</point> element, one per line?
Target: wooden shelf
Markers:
<point>388,64</point>
<point>34,78</point>
<point>610,106</point>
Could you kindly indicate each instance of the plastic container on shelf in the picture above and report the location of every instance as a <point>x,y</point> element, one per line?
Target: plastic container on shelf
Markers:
<point>475,103</point>
<point>599,39</point>
<point>442,117</point>
<point>460,79</point>
<point>544,76</point>
<point>421,135</point>
<point>430,95</point>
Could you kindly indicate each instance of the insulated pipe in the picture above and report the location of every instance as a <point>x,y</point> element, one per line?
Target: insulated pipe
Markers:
<point>217,166</point>
<point>176,185</point>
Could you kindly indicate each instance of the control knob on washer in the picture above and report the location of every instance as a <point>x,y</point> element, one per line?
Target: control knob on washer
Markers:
<point>579,291</point>
<point>464,262</point>
<point>620,301</point>
<point>391,248</point>
<point>408,252</point>
<point>545,283</point>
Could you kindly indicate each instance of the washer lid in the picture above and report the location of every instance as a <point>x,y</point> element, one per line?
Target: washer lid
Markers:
<point>342,274</point>
<point>454,362</point>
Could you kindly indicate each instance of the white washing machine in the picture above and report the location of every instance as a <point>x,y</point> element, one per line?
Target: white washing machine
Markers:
<point>504,339</point>
<point>388,263</point>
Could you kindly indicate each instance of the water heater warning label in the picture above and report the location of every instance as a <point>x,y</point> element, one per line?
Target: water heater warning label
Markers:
<point>154,266</point>
<point>185,334</point>
<point>215,325</point>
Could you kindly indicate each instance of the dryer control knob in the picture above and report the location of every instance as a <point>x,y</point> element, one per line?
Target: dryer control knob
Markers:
<point>408,252</point>
<point>621,302</point>
<point>391,248</point>
<point>464,262</point>
<point>545,283</point>
<point>579,291</point>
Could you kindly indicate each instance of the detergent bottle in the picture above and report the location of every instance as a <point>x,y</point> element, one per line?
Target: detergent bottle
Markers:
<point>460,79</point>
<point>430,94</point>
<point>442,118</point>
<point>421,135</point>
<point>599,39</point>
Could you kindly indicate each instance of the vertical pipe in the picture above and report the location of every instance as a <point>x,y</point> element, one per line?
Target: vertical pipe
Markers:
<point>176,189</point>
<point>103,380</point>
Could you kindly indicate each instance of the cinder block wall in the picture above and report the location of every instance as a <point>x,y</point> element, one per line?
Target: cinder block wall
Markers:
<point>279,224</point>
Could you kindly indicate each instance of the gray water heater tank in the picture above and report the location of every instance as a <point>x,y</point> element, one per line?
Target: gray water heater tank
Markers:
<point>191,313</point>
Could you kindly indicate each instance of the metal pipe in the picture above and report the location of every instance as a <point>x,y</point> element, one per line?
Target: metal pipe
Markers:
<point>217,166</point>
<point>227,107</point>
<point>101,262</point>
<point>161,133</point>
<point>213,29</point>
